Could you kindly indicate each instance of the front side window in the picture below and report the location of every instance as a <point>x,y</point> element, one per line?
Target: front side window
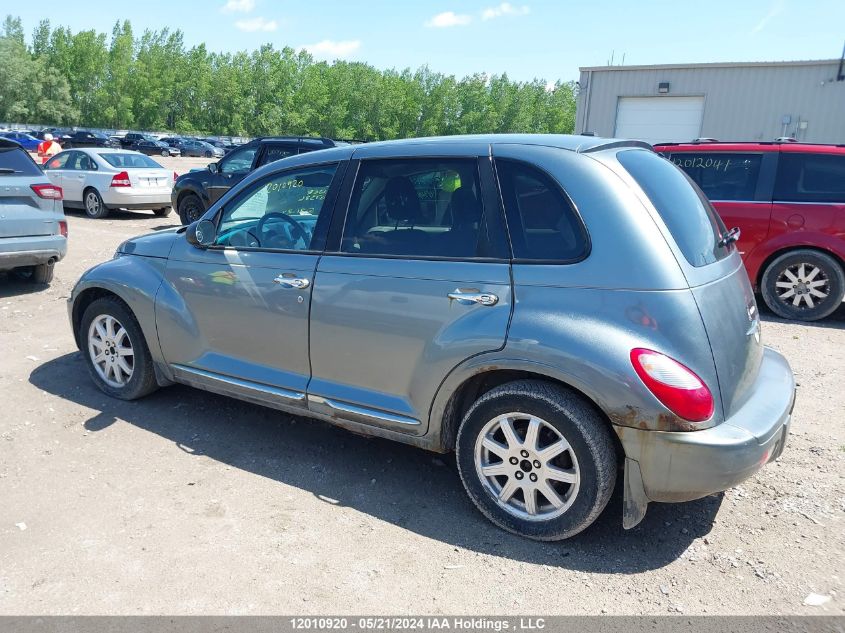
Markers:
<point>58,162</point>
<point>416,207</point>
<point>722,176</point>
<point>543,223</point>
<point>238,161</point>
<point>694,224</point>
<point>279,213</point>
<point>810,178</point>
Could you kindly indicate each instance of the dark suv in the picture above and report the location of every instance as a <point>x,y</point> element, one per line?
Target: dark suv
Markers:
<point>788,200</point>
<point>195,191</point>
<point>86,138</point>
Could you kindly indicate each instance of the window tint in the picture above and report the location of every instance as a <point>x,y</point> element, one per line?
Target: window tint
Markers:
<point>129,161</point>
<point>59,162</point>
<point>18,161</point>
<point>238,161</point>
<point>277,152</point>
<point>722,176</point>
<point>810,178</point>
<point>279,213</point>
<point>542,222</point>
<point>416,207</point>
<point>691,219</point>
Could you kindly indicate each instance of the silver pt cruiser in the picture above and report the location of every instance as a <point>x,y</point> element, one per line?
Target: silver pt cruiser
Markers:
<point>560,311</point>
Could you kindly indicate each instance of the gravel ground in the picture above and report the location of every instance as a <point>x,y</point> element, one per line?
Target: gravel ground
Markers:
<point>186,502</point>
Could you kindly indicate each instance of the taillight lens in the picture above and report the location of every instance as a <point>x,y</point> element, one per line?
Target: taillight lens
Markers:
<point>175,176</point>
<point>121,180</point>
<point>677,387</point>
<point>63,228</point>
<point>50,192</point>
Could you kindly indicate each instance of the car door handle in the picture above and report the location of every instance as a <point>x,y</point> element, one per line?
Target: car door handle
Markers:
<point>292,282</point>
<point>467,298</point>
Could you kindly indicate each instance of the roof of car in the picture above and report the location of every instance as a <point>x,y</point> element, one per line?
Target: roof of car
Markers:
<point>753,146</point>
<point>8,142</point>
<point>572,142</point>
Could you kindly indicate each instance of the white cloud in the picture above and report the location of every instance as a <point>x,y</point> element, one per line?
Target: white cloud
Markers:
<point>777,8</point>
<point>449,18</point>
<point>253,25</point>
<point>330,49</point>
<point>506,8</point>
<point>238,6</point>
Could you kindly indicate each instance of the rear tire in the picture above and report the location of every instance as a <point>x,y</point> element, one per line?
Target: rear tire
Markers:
<point>125,370</point>
<point>813,279</point>
<point>163,212</point>
<point>554,480</point>
<point>190,208</point>
<point>40,274</point>
<point>95,208</point>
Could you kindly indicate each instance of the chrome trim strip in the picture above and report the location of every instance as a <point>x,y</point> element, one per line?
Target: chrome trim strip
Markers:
<point>241,385</point>
<point>813,203</point>
<point>379,417</point>
<point>745,201</point>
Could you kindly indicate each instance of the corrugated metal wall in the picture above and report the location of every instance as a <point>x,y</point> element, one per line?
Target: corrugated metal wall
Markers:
<point>744,103</point>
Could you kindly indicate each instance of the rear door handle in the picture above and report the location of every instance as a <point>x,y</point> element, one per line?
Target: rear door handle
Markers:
<point>292,282</point>
<point>468,298</point>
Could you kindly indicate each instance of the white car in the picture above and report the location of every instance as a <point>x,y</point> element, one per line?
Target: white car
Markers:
<point>99,179</point>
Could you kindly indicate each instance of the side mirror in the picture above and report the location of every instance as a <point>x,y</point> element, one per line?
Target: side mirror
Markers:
<point>212,167</point>
<point>201,233</point>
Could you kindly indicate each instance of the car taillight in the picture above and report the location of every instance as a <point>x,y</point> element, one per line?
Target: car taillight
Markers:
<point>121,180</point>
<point>175,176</point>
<point>50,192</point>
<point>676,386</point>
<point>63,228</point>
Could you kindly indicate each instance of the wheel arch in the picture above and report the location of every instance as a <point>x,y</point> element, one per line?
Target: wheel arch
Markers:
<point>458,394</point>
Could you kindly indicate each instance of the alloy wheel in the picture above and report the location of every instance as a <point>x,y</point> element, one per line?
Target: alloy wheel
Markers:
<point>527,466</point>
<point>802,286</point>
<point>111,352</point>
<point>92,203</point>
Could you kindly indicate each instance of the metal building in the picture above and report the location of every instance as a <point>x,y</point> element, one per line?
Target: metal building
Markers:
<point>755,101</point>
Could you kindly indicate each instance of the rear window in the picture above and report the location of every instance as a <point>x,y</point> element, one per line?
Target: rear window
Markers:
<point>130,161</point>
<point>810,178</point>
<point>14,161</point>
<point>722,176</point>
<point>692,221</point>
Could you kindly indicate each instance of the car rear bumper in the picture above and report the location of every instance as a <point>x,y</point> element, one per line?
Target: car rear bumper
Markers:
<point>682,466</point>
<point>137,199</point>
<point>31,250</point>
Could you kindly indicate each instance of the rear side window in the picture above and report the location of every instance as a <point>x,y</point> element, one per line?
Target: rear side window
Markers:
<point>543,223</point>
<point>691,219</point>
<point>810,178</point>
<point>277,152</point>
<point>14,161</point>
<point>722,176</point>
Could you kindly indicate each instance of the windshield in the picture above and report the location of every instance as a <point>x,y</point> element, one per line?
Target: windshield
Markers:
<point>129,161</point>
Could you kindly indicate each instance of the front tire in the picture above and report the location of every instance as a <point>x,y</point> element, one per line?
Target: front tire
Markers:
<point>208,154</point>
<point>115,351</point>
<point>190,208</point>
<point>165,153</point>
<point>95,208</point>
<point>803,285</point>
<point>536,459</point>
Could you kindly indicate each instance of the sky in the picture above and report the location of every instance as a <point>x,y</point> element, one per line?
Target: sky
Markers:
<point>527,39</point>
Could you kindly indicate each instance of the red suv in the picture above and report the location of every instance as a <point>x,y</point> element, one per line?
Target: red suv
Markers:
<point>788,200</point>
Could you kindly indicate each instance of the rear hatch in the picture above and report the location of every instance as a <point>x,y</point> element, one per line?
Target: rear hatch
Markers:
<point>23,212</point>
<point>713,269</point>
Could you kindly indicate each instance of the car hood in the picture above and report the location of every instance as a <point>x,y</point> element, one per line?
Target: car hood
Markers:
<point>156,244</point>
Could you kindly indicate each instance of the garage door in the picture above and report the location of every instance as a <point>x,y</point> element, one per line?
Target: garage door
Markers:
<point>659,119</point>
